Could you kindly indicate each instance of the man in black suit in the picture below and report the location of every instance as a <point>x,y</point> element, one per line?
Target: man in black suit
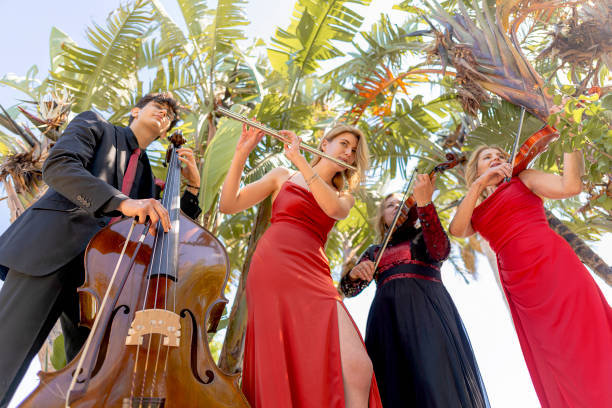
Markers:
<point>41,253</point>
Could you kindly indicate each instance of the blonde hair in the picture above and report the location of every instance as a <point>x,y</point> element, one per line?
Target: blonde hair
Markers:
<point>362,158</point>
<point>379,219</point>
<point>471,168</point>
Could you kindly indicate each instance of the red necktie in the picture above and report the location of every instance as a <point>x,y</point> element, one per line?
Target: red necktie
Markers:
<point>128,177</point>
<point>130,173</point>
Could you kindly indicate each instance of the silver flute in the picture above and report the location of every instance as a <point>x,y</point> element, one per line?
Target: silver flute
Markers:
<point>276,134</point>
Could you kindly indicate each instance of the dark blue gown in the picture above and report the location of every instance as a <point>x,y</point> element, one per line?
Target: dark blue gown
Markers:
<point>420,350</point>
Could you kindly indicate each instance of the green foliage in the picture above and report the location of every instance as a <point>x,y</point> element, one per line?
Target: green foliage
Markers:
<point>308,40</point>
<point>217,160</point>
<point>103,76</point>
<point>28,84</point>
<point>58,354</point>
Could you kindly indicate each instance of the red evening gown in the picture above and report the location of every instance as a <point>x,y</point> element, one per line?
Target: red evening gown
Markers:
<point>292,349</point>
<point>563,321</point>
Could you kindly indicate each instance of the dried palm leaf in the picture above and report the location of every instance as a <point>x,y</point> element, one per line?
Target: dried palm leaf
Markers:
<point>25,170</point>
<point>486,59</point>
<point>583,36</point>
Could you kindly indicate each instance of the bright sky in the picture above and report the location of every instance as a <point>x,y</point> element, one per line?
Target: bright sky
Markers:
<point>25,30</point>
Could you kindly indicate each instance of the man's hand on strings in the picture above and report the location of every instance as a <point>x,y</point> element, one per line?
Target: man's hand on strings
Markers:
<point>190,169</point>
<point>148,207</point>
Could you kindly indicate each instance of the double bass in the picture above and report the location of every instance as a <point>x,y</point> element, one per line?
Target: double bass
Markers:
<point>149,300</point>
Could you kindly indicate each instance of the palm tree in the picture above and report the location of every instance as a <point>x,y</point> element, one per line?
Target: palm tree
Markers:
<point>488,58</point>
<point>481,62</point>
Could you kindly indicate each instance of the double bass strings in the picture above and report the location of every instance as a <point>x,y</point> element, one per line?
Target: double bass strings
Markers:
<point>175,211</point>
<point>170,195</point>
<point>161,243</point>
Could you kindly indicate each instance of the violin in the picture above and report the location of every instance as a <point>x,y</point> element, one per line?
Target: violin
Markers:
<point>533,147</point>
<point>536,143</point>
<point>149,301</point>
<point>406,213</point>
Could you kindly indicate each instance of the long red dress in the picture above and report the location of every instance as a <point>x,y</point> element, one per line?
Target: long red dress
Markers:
<point>292,349</point>
<point>563,321</point>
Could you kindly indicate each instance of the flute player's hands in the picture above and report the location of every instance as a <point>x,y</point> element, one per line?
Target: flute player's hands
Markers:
<point>249,138</point>
<point>292,149</point>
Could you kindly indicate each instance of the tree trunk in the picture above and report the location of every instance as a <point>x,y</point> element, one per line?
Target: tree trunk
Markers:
<point>232,352</point>
<point>586,254</point>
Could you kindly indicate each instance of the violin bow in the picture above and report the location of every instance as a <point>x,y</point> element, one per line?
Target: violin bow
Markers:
<point>516,142</point>
<point>394,223</point>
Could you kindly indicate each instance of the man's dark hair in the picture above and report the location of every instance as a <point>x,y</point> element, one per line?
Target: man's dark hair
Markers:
<point>163,98</point>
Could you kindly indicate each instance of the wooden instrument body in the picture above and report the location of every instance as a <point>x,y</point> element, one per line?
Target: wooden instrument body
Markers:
<point>533,147</point>
<point>186,376</point>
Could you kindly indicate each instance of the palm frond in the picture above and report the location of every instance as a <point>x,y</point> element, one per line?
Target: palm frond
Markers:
<point>486,59</point>
<point>298,51</point>
<point>386,43</point>
<point>194,13</point>
<point>28,84</point>
<point>101,77</point>
<point>220,36</point>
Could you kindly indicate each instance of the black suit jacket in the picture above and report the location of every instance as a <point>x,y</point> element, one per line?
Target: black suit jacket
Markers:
<point>83,171</point>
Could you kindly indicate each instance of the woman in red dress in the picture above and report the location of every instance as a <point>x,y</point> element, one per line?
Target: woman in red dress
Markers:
<point>301,349</point>
<point>563,322</point>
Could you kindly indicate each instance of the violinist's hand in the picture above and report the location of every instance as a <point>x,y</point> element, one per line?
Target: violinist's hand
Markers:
<point>249,138</point>
<point>141,209</point>
<point>423,189</point>
<point>494,175</point>
<point>190,171</point>
<point>362,271</point>
<point>292,149</point>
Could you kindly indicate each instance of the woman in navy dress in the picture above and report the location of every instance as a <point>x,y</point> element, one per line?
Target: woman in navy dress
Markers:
<point>420,350</point>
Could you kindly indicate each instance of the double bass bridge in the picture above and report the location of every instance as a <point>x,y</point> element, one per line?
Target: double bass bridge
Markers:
<point>155,321</point>
<point>143,402</point>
